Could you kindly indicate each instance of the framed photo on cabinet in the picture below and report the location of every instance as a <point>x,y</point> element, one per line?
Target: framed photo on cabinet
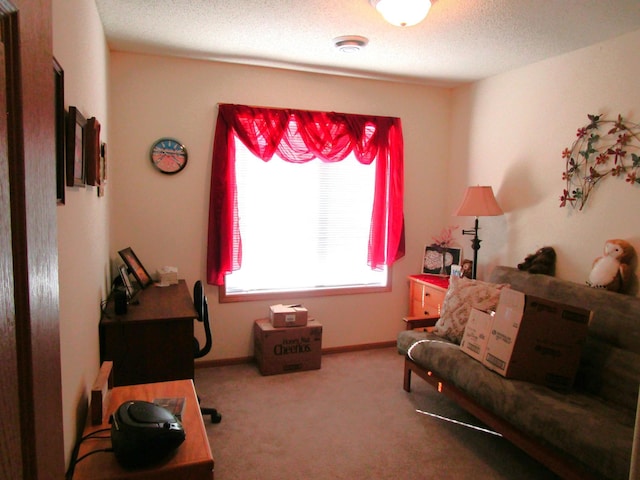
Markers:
<point>136,267</point>
<point>438,260</point>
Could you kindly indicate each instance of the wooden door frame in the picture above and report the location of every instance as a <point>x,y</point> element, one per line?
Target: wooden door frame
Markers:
<point>30,143</point>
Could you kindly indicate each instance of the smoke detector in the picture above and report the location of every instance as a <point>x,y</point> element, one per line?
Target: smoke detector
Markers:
<point>350,43</point>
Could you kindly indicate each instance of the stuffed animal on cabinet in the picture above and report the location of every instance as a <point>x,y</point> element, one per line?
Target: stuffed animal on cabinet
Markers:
<point>542,261</point>
<point>612,270</point>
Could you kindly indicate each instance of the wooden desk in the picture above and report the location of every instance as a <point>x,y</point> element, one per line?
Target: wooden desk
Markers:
<point>153,341</point>
<point>191,461</point>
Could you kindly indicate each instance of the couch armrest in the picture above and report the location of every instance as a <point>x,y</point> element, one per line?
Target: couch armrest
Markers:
<point>420,321</point>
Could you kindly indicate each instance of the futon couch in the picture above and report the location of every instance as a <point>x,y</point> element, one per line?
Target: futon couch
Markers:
<point>585,432</point>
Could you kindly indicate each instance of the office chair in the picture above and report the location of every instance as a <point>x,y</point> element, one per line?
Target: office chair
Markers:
<point>202,307</point>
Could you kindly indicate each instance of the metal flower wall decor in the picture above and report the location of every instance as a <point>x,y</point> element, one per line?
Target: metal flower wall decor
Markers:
<point>603,148</point>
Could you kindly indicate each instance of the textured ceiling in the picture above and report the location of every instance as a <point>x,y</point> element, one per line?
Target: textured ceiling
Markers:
<point>460,40</point>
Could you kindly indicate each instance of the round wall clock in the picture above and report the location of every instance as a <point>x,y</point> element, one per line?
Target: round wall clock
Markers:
<point>168,155</point>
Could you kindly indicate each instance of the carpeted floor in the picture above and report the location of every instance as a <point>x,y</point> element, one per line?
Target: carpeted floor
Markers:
<point>349,420</point>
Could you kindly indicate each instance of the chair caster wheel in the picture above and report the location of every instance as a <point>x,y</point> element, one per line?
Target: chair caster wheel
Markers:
<point>216,418</point>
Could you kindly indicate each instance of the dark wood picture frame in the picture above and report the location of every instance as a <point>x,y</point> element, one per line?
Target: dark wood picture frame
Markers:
<point>58,81</point>
<point>102,182</point>
<point>92,152</point>
<point>136,267</point>
<point>76,140</point>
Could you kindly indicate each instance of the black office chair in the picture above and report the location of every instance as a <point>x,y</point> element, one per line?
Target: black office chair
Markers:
<point>202,307</point>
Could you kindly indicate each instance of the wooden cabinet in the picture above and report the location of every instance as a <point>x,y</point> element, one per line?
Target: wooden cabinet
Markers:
<point>153,340</point>
<point>426,296</point>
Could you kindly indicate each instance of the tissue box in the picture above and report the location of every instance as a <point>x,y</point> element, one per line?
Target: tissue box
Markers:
<point>288,315</point>
<point>168,276</point>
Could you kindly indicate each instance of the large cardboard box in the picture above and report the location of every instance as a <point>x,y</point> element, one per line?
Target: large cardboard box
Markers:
<point>536,340</point>
<point>476,333</point>
<point>289,349</point>
<point>288,315</point>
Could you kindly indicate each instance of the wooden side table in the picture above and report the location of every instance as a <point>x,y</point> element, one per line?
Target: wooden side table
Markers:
<point>192,460</point>
<point>426,296</point>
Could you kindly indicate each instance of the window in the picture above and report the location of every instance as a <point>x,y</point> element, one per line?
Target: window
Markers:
<point>303,200</point>
<point>304,226</point>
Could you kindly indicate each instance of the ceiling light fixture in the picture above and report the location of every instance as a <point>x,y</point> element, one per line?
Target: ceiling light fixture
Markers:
<point>350,43</point>
<point>402,13</point>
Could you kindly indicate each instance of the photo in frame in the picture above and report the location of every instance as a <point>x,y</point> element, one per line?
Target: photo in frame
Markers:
<point>103,169</point>
<point>135,267</point>
<point>92,152</point>
<point>58,81</point>
<point>438,260</point>
<point>126,281</point>
<point>76,124</point>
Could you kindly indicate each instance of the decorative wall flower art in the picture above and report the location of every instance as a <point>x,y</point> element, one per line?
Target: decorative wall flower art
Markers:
<point>603,148</point>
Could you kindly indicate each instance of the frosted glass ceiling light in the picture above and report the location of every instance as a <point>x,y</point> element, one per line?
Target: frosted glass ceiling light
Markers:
<point>402,13</point>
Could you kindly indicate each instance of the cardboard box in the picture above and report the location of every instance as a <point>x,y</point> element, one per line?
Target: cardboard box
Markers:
<point>536,340</point>
<point>284,350</point>
<point>476,333</point>
<point>287,315</point>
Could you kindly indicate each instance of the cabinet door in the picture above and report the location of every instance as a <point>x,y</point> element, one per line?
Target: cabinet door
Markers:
<point>147,352</point>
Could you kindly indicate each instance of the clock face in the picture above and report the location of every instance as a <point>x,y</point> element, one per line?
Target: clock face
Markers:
<point>169,155</point>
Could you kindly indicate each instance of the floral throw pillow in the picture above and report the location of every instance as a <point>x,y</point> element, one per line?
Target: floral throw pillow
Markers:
<point>463,295</point>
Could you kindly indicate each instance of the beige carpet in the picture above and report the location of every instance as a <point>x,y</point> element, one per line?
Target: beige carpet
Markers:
<point>349,420</point>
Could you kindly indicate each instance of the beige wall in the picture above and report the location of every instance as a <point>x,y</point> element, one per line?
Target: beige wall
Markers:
<point>509,132</point>
<point>163,218</point>
<point>83,222</point>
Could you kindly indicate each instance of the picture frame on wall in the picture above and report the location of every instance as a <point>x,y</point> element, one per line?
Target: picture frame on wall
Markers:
<point>92,151</point>
<point>76,142</point>
<point>136,267</point>
<point>438,260</point>
<point>58,81</point>
<point>103,169</point>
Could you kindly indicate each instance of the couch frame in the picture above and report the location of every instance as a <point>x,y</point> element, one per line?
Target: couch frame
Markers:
<point>561,465</point>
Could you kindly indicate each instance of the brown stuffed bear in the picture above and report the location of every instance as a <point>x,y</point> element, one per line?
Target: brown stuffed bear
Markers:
<point>612,270</point>
<point>543,261</point>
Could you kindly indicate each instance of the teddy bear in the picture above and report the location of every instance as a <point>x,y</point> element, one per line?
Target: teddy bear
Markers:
<point>612,270</point>
<point>542,261</point>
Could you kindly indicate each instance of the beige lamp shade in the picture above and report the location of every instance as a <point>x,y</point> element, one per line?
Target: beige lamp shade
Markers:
<point>479,202</point>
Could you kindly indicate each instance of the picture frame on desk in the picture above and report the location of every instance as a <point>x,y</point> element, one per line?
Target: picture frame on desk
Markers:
<point>136,267</point>
<point>433,262</point>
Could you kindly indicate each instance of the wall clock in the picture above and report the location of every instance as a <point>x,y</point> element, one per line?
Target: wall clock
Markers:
<point>169,155</point>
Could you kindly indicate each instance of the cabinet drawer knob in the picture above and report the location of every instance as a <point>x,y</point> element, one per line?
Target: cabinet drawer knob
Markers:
<point>426,294</point>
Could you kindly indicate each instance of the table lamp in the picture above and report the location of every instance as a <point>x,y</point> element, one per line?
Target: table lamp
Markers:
<point>477,202</point>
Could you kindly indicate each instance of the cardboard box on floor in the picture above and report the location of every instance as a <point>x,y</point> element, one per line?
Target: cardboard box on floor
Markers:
<point>288,315</point>
<point>536,340</point>
<point>290,349</point>
<point>476,333</point>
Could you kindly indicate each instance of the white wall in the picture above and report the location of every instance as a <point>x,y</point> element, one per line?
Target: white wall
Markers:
<point>83,221</point>
<point>163,218</point>
<point>509,132</point>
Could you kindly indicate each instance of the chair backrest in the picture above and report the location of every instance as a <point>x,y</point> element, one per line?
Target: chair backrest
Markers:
<point>202,308</point>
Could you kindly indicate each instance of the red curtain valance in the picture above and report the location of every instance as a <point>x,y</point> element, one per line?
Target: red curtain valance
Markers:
<point>299,136</point>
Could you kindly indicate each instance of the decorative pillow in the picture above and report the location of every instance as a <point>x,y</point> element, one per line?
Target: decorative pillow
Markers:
<point>463,295</point>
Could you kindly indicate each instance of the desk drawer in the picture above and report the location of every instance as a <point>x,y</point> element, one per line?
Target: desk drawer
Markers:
<point>425,299</point>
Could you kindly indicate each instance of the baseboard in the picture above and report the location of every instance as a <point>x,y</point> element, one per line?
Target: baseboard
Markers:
<point>223,362</point>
